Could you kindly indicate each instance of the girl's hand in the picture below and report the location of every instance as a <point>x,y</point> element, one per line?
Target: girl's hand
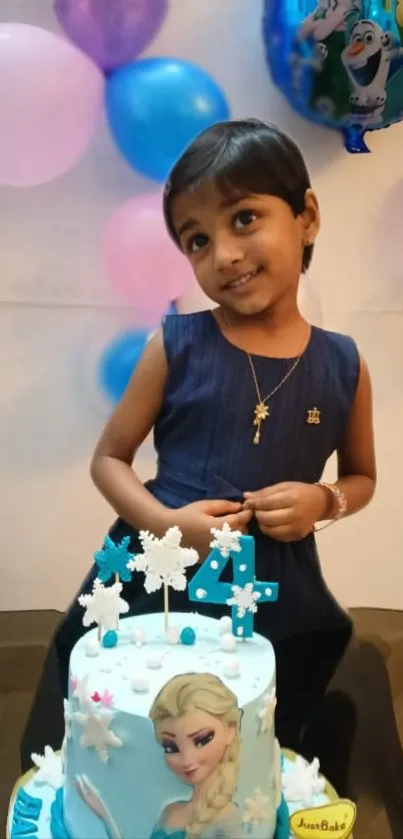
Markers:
<point>288,511</point>
<point>196,520</point>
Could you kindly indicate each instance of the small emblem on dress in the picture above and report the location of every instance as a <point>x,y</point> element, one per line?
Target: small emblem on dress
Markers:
<point>313,416</point>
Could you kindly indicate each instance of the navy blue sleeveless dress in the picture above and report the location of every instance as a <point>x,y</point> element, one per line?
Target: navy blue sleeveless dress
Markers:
<point>204,441</point>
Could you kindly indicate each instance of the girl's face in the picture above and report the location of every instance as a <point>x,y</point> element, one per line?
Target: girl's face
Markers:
<point>194,744</point>
<point>245,250</point>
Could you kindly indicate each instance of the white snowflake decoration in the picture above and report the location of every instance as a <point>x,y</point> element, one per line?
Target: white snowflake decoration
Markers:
<point>49,768</point>
<point>103,606</point>
<point>302,782</point>
<point>96,732</point>
<point>266,713</point>
<point>256,809</point>
<point>81,692</point>
<point>67,719</point>
<point>164,560</point>
<point>245,599</point>
<point>226,540</point>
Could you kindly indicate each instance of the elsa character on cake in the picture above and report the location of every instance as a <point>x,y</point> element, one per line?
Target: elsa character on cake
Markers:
<point>197,722</point>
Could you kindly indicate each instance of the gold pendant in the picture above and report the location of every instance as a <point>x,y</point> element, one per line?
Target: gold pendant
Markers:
<point>262,411</point>
<point>313,416</point>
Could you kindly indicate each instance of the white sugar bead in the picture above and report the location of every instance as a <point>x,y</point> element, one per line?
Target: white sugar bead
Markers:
<point>228,642</point>
<point>138,636</point>
<point>172,635</point>
<point>201,593</point>
<point>225,624</point>
<point>231,667</point>
<point>92,649</point>
<point>154,661</point>
<point>140,684</point>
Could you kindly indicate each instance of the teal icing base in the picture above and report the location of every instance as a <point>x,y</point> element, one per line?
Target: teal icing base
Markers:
<point>283,821</point>
<point>57,825</point>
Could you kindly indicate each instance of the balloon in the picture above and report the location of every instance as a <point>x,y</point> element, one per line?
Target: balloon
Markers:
<point>141,261</point>
<point>338,62</point>
<point>51,98</point>
<point>112,32</point>
<point>119,361</point>
<point>156,107</point>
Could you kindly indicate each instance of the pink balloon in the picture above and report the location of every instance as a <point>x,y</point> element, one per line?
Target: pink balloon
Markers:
<point>141,261</point>
<point>51,98</point>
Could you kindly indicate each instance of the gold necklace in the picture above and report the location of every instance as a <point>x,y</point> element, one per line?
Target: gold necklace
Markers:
<point>262,410</point>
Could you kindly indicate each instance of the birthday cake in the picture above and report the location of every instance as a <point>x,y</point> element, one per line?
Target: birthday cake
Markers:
<point>170,716</point>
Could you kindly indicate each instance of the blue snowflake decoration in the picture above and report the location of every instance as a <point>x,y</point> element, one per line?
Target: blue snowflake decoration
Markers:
<point>112,560</point>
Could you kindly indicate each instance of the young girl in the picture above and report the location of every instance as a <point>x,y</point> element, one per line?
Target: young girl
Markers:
<point>247,403</point>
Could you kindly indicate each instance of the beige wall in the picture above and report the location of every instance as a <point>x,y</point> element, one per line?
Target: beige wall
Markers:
<point>57,311</point>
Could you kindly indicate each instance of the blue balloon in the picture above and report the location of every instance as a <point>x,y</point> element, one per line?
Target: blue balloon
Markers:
<point>119,361</point>
<point>156,107</point>
<point>338,62</point>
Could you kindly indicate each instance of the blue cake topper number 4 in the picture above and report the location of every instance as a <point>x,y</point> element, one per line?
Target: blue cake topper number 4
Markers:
<point>245,592</point>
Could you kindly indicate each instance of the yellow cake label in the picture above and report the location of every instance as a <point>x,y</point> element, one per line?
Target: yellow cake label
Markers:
<point>333,821</point>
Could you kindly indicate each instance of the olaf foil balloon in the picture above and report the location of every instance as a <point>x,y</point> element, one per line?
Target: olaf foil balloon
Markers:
<point>338,62</point>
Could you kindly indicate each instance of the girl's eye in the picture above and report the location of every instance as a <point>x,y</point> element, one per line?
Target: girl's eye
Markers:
<point>244,218</point>
<point>196,243</point>
<point>170,748</point>
<point>203,739</point>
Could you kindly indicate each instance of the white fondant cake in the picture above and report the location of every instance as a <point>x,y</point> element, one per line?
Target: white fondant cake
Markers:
<point>112,752</point>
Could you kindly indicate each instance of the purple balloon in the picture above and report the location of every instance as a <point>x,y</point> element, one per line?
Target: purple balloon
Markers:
<point>112,32</point>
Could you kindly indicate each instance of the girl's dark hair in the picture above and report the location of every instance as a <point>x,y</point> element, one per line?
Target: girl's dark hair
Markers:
<point>242,155</point>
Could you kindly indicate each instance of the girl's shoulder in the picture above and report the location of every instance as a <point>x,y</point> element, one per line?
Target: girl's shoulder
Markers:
<point>182,332</point>
<point>188,322</point>
<point>339,352</point>
<point>189,317</point>
<point>339,342</point>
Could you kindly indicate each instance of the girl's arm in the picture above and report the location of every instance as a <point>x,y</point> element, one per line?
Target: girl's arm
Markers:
<point>289,511</point>
<point>111,467</point>
<point>129,425</point>
<point>356,455</point>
